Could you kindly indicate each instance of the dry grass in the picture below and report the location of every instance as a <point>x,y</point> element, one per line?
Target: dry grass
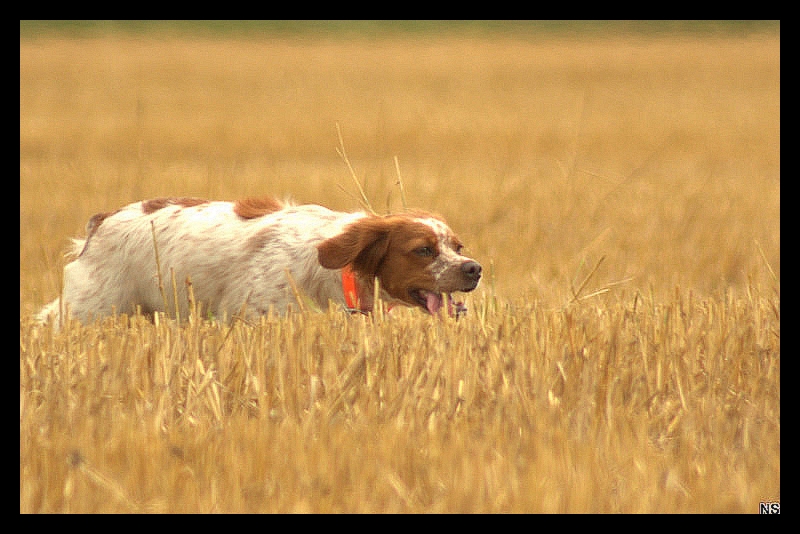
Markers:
<point>622,354</point>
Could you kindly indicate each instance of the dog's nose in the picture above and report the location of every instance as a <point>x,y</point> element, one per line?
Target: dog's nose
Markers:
<point>472,270</point>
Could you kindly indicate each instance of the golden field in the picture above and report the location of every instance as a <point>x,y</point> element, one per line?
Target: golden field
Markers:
<point>622,353</point>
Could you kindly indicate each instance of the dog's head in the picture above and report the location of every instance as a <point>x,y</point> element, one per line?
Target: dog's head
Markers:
<point>415,256</point>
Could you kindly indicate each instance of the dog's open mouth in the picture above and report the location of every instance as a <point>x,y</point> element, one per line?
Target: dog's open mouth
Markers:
<point>433,302</point>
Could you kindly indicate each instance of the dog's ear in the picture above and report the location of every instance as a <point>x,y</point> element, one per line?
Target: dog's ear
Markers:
<point>363,244</point>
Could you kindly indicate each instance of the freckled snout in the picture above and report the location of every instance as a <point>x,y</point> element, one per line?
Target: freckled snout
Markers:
<point>472,274</point>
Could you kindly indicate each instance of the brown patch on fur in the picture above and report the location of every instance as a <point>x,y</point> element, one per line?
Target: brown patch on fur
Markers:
<point>155,204</point>
<point>91,227</point>
<point>95,222</point>
<point>252,208</point>
<point>364,240</point>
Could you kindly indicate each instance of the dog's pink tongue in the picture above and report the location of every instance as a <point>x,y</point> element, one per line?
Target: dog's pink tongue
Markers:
<point>433,301</point>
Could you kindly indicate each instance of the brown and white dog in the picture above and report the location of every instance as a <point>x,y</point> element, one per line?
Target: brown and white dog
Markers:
<point>247,254</point>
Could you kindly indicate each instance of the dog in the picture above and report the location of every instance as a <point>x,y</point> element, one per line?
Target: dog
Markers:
<point>258,254</point>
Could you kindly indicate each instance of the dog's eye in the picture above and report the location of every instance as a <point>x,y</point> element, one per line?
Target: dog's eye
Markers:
<point>459,247</point>
<point>424,251</point>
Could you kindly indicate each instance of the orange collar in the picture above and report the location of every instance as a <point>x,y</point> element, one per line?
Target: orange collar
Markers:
<point>351,298</point>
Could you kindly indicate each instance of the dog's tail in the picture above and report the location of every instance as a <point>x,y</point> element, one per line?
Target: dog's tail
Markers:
<point>50,311</point>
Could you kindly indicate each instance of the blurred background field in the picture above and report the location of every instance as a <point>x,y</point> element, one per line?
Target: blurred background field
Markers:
<point>640,158</point>
<point>659,153</point>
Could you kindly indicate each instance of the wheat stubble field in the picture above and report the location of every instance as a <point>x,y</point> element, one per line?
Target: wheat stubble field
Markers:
<point>622,353</point>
